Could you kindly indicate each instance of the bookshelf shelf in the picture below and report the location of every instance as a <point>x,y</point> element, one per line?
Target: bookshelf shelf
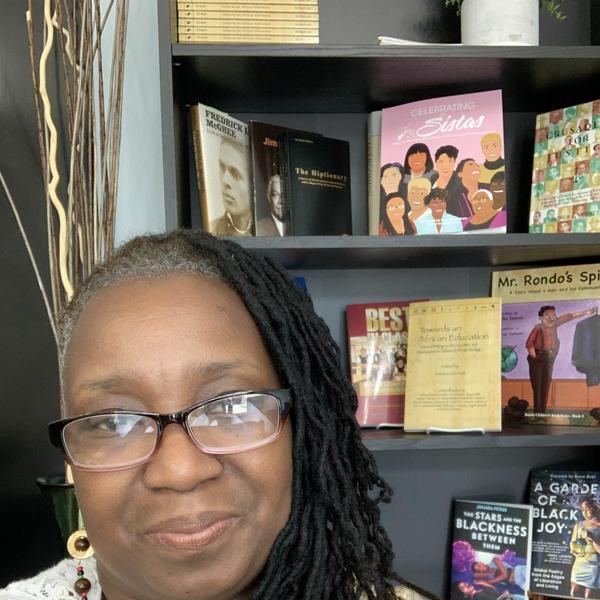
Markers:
<point>275,78</point>
<point>367,252</point>
<point>530,436</point>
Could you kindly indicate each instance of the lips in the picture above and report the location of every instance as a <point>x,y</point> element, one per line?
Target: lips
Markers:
<point>192,532</point>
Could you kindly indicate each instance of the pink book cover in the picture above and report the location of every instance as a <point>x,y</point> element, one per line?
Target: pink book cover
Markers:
<point>442,166</point>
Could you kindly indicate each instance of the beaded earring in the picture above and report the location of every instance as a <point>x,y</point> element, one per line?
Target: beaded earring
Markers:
<point>79,547</point>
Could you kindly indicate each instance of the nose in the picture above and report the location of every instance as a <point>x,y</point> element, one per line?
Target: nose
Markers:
<point>178,464</point>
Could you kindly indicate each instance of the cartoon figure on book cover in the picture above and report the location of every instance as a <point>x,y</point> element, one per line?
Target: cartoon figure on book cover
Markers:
<point>394,209</point>
<point>235,189</point>
<point>585,547</point>
<point>542,346</point>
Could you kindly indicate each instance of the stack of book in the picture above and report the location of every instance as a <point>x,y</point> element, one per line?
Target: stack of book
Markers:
<point>244,21</point>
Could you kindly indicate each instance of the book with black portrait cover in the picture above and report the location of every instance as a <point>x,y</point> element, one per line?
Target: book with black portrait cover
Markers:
<point>315,175</point>
<point>266,177</point>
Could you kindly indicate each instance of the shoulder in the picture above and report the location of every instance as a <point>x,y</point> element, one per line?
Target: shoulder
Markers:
<point>406,593</point>
<point>55,583</point>
<point>218,226</point>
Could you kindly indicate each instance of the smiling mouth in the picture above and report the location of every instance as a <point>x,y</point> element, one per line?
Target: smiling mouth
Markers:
<point>192,537</point>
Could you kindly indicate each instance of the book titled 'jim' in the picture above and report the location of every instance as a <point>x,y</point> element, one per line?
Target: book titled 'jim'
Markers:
<point>316,181</point>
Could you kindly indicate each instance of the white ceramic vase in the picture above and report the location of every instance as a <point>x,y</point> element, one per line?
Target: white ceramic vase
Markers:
<point>500,22</point>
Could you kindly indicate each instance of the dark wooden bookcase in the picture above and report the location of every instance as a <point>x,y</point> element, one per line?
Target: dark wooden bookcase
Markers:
<point>331,88</point>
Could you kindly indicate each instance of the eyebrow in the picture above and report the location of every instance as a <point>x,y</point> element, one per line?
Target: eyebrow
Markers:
<point>115,382</point>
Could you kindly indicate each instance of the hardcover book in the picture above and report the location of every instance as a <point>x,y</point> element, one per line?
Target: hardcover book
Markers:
<point>551,343</point>
<point>373,162</point>
<point>270,207</point>
<point>442,166</point>
<point>565,187</point>
<point>566,533</point>
<point>316,184</point>
<point>223,168</point>
<point>491,550</point>
<point>377,342</point>
<point>453,375</point>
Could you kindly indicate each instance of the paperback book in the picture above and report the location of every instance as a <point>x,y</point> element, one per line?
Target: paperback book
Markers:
<point>565,188</point>
<point>315,173</point>
<point>491,550</point>
<point>453,376</point>
<point>551,342</point>
<point>223,168</point>
<point>442,166</point>
<point>377,343</point>
<point>566,533</point>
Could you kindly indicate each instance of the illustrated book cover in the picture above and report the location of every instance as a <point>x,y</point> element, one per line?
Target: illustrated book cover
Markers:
<point>222,157</point>
<point>377,348</point>
<point>443,166</point>
<point>491,550</point>
<point>551,342</point>
<point>453,374</point>
<point>316,184</point>
<point>565,183</point>
<point>566,533</point>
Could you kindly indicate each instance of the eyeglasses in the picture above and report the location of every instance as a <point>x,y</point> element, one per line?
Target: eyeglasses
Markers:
<point>116,439</point>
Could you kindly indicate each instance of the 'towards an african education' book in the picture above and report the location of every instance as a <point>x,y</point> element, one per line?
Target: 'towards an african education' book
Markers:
<point>453,374</point>
<point>491,550</point>
<point>551,342</point>
<point>566,532</point>
<point>444,157</point>
<point>377,342</point>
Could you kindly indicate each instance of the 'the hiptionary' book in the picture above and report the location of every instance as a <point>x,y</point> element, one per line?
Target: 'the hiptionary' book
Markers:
<point>377,343</point>
<point>565,187</point>
<point>551,342</point>
<point>316,184</point>
<point>491,549</point>
<point>453,374</point>
<point>444,157</point>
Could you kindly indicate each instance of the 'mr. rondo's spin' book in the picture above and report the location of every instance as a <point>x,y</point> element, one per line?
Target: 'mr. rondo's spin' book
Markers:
<point>442,166</point>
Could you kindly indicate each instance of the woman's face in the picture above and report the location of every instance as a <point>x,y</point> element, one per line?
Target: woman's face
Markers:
<point>395,210</point>
<point>482,204</point>
<point>390,180</point>
<point>186,524</point>
<point>417,161</point>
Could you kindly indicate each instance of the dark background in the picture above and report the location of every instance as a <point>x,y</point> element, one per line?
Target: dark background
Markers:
<point>28,380</point>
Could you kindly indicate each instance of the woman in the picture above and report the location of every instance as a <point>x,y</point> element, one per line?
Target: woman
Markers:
<point>499,572</point>
<point>395,220</point>
<point>585,547</point>
<point>212,438</point>
<point>418,162</point>
<point>485,216</point>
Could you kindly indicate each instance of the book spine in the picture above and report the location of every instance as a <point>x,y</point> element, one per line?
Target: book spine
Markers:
<point>196,119</point>
<point>246,17</point>
<point>373,168</point>
<point>190,4</point>
<point>286,186</point>
<point>195,38</point>
<point>245,29</point>
<point>199,9</point>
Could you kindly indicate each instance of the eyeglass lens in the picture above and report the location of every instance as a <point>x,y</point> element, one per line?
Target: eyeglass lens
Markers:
<point>235,422</point>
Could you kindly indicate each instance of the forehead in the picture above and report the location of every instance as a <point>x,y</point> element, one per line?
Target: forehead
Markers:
<point>231,153</point>
<point>157,331</point>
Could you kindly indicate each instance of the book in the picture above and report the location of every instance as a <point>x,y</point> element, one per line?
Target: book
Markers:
<point>442,166</point>
<point>245,17</point>
<point>190,4</point>
<point>223,168</point>
<point>232,25</point>
<point>200,10</point>
<point>550,358</point>
<point>377,343</point>
<point>565,186</point>
<point>373,168</point>
<point>453,374</point>
<point>315,173</point>
<point>250,38</point>
<point>566,532</point>
<point>491,550</point>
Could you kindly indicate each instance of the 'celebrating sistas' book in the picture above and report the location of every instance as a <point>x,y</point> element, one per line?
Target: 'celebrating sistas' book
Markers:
<point>442,166</point>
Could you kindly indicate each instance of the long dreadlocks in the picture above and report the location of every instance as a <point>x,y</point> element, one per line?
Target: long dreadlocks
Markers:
<point>333,546</point>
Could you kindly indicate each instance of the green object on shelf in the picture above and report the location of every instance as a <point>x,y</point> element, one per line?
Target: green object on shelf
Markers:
<point>61,497</point>
<point>509,359</point>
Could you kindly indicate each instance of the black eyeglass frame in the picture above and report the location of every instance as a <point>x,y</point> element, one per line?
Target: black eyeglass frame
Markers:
<point>56,428</point>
